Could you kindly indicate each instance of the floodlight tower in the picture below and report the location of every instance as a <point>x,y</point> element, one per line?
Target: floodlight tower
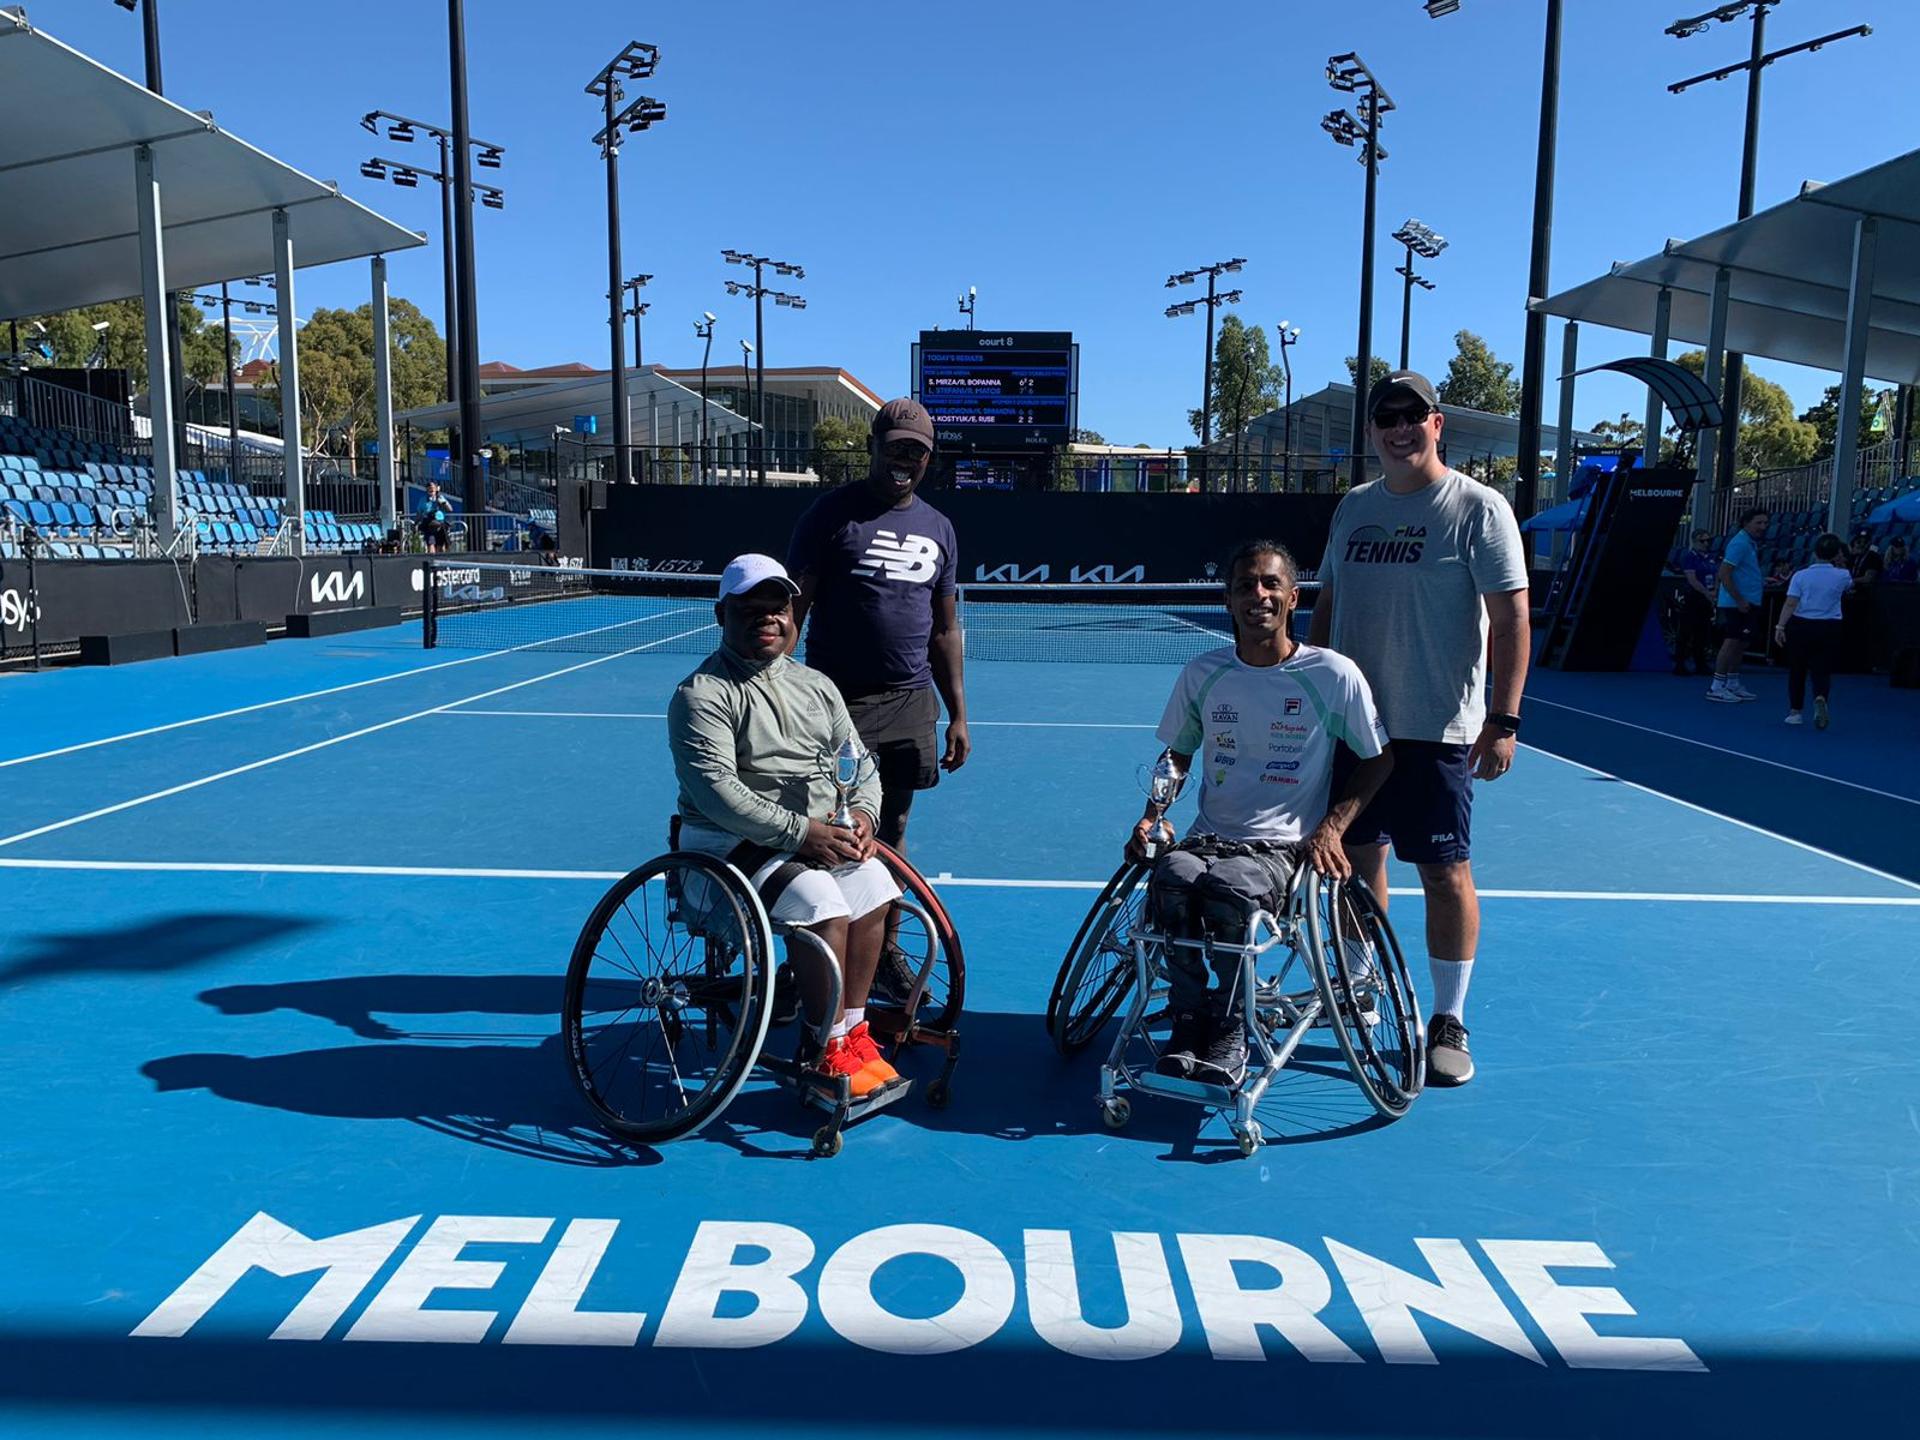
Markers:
<point>636,61</point>
<point>1757,60</point>
<point>967,302</point>
<point>1213,300</point>
<point>407,176</point>
<point>703,328</point>
<point>1289,337</point>
<point>759,264</point>
<point>1420,241</point>
<point>636,307</point>
<point>1349,75</point>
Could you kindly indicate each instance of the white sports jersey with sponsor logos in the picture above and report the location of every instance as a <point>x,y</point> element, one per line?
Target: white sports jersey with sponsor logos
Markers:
<point>1263,737</point>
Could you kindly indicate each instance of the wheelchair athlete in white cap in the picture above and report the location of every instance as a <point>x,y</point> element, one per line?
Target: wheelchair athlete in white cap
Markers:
<point>752,732</point>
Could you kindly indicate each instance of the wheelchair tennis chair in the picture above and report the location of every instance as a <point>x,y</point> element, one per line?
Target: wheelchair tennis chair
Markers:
<point>1328,960</point>
<point>669,1000</point>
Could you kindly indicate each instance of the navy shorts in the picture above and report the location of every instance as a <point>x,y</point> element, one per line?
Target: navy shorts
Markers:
<point>1425,808</point>
<point>1736,624</point>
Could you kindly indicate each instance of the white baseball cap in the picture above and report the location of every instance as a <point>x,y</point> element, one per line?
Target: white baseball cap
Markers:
<point>748,572</point>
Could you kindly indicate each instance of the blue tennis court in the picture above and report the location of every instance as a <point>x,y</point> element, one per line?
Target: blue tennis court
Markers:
<point>293,1145</point>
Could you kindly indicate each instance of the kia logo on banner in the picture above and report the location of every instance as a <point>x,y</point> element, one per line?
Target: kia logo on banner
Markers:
<point>337,587</point>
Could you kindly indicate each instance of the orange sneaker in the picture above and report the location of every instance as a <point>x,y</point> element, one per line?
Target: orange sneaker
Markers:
<point>860,1041</point>
<point>840,1060</point>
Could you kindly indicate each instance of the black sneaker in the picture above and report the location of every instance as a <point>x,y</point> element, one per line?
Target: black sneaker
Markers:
<point>893,982</point>
<point>1448,1060</point>
<point>786,996</point>
<point>1224,1059</point>
<point>1189,1038</point>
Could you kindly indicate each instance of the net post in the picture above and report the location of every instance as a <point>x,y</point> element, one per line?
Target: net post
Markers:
<point>429,604</point>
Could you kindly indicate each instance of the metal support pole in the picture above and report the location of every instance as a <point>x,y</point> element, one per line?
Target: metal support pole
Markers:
<point>1363,351</point>
<point>1286,452</point>
<point>472,431</point>
<point>622,421</point>
<point>1749,158</point>
<point>1406,311</point>
<point>160,389</point>
<point>1534,359</point>
<point>760,367</point>
<point>1662,325</point>
<point>233,408</point>
<point>1206,376</point>
<point>1846,439</point>
<point>1563,447</point>
<point>1902,425</point>
<point>448,285</point>
<point>1706,444</point>
<point>383,395</point>
<point>295,473</point>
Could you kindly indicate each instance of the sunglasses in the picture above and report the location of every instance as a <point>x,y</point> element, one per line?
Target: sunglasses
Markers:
<point>1388,416</point>
<point>903,450</point>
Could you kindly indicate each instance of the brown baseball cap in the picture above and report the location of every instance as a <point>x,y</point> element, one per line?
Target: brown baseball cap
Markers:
<point>903,419</point>
<point>1411,381</point>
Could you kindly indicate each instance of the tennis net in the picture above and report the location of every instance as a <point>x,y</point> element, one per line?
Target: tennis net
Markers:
<point>493,606</point>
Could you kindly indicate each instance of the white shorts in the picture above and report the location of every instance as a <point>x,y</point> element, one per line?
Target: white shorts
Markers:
<point>849,891</point>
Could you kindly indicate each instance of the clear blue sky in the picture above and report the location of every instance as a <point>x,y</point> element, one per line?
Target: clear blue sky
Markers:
<point>1063,157</point>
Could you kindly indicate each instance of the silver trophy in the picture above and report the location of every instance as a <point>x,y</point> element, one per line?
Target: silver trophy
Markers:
<point>847,770</point>
<point>1163,788</point>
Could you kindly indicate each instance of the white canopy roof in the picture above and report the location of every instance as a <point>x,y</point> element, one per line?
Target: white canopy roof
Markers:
<point>68,227</point>
<point>1789,268</point>
<point>533,412</point>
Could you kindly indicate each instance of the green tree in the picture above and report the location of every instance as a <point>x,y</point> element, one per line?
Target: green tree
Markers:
<point>121,342</point>
<point>336,373</point>
<point>1624,432</point>
<point>1246,382</point>
<point>1376,372</point>
<point>1088,437</point>
<point>840,450</point>
<point>1876,407</point>
<point>1478,380</point>
<point>1772,437</point>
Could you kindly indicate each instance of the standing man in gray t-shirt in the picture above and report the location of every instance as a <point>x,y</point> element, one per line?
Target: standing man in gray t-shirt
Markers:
<point>1422,567</point>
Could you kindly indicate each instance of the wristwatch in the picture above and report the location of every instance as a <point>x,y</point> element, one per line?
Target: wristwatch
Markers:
<point>1505,724</point>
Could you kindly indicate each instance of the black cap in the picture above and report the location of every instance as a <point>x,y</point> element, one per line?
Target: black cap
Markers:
<point>1411,381</point>
<point>903,419</point>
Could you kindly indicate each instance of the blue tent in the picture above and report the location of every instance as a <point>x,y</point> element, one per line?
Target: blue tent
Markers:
<point>1902,508</point>
<point>1560,517</point>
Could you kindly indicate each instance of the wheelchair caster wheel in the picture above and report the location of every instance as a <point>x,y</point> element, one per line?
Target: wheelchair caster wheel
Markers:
<point>1115,1114</point>
<point>1250,1140</point>
<point>827,1142</point>
<point>938,1094</point>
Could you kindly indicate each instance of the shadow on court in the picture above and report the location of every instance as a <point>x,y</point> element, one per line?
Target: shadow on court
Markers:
<point>157,946</point>
<point>510,1090</point>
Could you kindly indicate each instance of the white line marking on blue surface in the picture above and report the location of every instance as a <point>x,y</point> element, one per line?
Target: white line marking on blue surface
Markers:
<point>1724,750</point>
<point>661,715</point>
<point>463,872</point>
<point>334,740</point>
<point>330,690</point>
<point>1744,825</point>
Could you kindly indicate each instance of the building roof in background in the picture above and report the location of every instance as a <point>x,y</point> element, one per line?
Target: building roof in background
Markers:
<point>69,231</point>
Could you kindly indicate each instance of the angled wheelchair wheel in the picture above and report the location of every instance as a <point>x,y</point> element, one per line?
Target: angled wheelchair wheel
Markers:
<point>1369,997</point>
<point>922,929</point>
<point>668,997</point>
<point>1098,973</point>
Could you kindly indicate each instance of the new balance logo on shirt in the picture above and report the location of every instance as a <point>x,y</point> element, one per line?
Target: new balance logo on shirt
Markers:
<point>912,560</point>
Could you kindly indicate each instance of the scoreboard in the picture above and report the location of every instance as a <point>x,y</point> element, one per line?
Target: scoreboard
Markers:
<point>998,390</point>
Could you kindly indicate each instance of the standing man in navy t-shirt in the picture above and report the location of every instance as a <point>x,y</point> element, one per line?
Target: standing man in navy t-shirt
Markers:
<point>878,574</point>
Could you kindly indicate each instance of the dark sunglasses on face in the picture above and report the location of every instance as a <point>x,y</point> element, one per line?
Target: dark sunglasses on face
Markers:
<point>1388,416</point>
<point>903,450</point>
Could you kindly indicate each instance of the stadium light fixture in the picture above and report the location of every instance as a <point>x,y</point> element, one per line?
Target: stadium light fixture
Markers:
<point>1438,8</point>
<point>636,60</point>
<point>373,169</point>
<point>1421,241</point>
<point>967,303</point>
<point>758,289</point>
<point>406,179</point>
<point>1349,75</point>
<point>703,328</point>
<point>1213,300</point>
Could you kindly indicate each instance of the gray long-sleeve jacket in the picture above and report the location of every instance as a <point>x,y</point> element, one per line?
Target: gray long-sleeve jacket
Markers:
<point>753,746</point>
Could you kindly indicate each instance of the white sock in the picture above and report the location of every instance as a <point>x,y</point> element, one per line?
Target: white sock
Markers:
<point>840,1028</point>
<point>854,1017</point>
<point>1450,979</point>
<point>1358,955</point>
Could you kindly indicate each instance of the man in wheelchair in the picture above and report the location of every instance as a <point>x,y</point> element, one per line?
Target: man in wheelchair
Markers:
<point>751,732</point>
<point>1263,720</point>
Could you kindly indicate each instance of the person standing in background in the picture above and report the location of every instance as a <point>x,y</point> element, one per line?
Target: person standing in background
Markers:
<point>1811,627</point>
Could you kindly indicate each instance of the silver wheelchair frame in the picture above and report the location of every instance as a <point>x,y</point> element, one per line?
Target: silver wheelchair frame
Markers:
<point>1333,999</point>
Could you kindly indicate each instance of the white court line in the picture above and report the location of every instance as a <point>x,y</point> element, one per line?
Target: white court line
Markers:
<point>457,872</point>
<point>1724,750</point>
<point>661,715</point>
<point>334,740</point>
<point>1715,814</point>
<point>336,689</point>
